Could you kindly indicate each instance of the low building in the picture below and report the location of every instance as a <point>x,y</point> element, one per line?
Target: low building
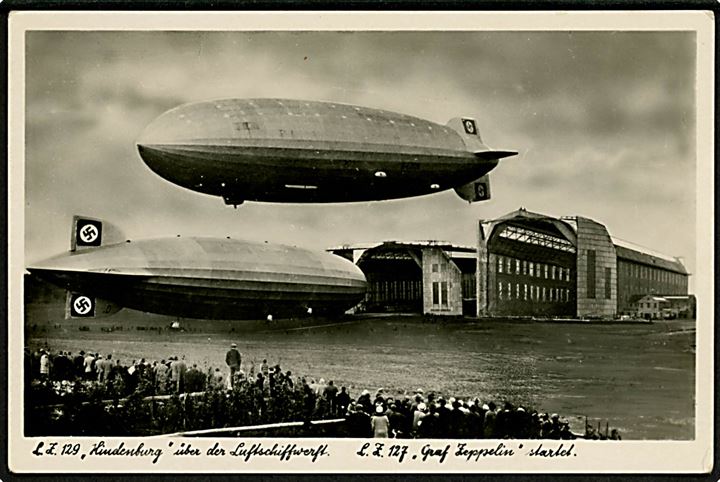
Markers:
<point>668,307</point>
<point>652,307</point>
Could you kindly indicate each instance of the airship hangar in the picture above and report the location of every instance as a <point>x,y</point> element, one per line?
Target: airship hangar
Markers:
<point>526,265</point>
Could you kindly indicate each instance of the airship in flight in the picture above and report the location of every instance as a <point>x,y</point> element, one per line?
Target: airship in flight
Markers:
<point>194,277</point>
<point>278,150</point>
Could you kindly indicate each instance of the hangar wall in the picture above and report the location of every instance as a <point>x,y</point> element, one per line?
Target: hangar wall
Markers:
<point>596,270</point>
<point>483,288</point>
<point>443,282</point>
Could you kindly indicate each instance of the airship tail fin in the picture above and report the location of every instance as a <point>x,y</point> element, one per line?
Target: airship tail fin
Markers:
<point>478,190</point>
<point>91,233</point>
<point>78,305</point>
<point>468,130</point>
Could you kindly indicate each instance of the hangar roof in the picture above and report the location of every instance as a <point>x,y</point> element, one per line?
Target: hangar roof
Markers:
<point>624,249</point>
<point>648,259</point>
<point>445,245</point>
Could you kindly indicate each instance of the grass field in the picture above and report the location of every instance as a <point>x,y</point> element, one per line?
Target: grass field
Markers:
<point>639,377</point>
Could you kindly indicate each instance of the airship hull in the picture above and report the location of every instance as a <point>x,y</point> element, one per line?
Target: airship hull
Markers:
<point>296,151</point>
<point>209,278</point>
<point>295,175</point>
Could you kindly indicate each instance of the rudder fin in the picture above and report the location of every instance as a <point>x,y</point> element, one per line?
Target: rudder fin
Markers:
<point>90,232</point>
<point>475,191</point>
<point>78,305</point>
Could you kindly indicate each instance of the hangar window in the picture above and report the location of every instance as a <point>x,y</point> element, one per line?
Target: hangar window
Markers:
<point>500,291</point>
<point>608,294</point>
<point>532,269</point>
<point>435,267</point>
<point>440,294</point>
<point>590,281</point>
<point>543,294</point>
<point>552,272</point>
<point>500,262</point>
<point>524,292</point>
<point>540,239</point>
<point>517,291</point>
<point>509,289</point>
<point>507,265</point>
<point>545,268</point>
<point>517,266</point>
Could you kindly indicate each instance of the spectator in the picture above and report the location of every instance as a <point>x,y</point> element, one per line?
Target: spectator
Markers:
<point>78,364</point>
<point>342,400</point>
<point>89,365</point>
<point>358,422</point>
<point>218,380</point>
<point>233,360</point>
<point>330,396</point>
<point>379,423</point>
<point>427,425</point>
<point>177,375</point>
<point>104,367</point>
<point>490,418</point>
<point>397,422</point>
<point>418,415</point>
<point>44,365</point>
<point>194,380</point>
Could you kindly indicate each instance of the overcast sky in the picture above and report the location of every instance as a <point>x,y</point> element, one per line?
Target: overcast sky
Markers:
<point>604,122</point>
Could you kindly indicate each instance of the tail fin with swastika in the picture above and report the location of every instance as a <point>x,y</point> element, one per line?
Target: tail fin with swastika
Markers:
<point>78,305</point>
<point>91,233</point>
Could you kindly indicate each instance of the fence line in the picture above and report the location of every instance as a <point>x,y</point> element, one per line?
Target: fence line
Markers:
<point>248,428</point>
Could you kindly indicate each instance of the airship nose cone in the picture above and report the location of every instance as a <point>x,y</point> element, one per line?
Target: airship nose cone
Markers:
<point>175,125</point>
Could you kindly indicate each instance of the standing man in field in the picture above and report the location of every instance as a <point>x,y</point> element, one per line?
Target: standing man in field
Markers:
<point>233,360</point>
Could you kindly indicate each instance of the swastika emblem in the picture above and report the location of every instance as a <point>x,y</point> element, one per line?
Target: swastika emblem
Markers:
<point>89,233</point>
<point>82,305</point>
<point>469,126</point>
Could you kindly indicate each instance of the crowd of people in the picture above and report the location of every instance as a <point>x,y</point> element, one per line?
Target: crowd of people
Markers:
<point>269,394</point>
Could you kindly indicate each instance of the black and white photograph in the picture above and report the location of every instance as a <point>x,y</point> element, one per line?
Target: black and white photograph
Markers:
<point>318,242</point>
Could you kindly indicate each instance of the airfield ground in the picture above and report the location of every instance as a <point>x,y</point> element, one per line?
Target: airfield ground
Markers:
<point>639,377</point>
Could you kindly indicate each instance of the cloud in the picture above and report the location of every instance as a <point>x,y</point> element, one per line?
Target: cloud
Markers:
<point>604,122</point>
